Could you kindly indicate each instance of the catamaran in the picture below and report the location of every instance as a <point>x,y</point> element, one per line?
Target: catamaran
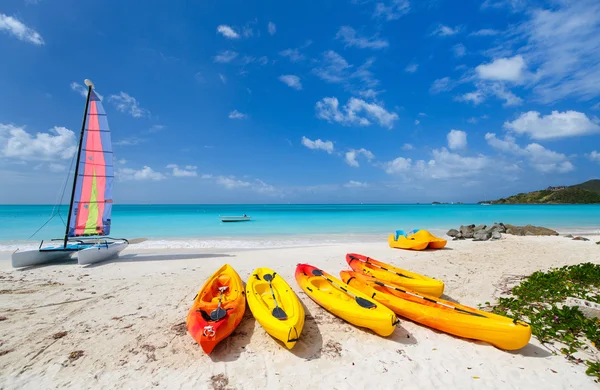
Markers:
<point>90,207</point>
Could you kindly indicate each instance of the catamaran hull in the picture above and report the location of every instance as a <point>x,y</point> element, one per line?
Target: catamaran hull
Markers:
<point>36,257</point>
<point>100,252</point>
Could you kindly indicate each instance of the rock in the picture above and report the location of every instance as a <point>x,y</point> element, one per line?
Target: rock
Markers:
<point>578,238</point>
<point>467,231</point>
<point>480,227</point>
<point>588,308</point>
<point>496,227</point>
<point>452,232</point>
<point>569,236</point>
<point>530,230</point>
<point>496,235</point>
<point>481,235</point>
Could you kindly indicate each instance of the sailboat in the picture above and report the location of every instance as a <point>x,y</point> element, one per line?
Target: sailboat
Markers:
<point>90,207</point>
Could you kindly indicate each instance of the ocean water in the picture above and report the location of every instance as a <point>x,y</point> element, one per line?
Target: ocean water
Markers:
<point>288,225</point>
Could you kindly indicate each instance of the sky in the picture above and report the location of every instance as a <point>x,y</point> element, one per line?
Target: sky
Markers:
<point>329,101</point>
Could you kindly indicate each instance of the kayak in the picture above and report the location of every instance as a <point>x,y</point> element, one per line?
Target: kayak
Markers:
<point>388,273</point>
<point>440,314</point>
<point>400,241</point>
<point>424,235</point>
<point>344,301</point>
<point>275,306</point>
<point>218,308</point>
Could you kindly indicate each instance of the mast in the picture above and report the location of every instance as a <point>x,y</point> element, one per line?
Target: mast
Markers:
<point>90,85</point>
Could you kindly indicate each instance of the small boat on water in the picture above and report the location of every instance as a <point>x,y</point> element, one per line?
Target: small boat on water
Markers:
<point>241,218</point>
<point>90,208</point>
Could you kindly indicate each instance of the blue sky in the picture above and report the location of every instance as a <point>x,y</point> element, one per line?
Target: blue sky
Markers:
<point>304,101</point>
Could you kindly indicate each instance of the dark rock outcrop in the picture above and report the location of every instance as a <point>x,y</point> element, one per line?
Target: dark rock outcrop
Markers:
<point>481,235</point>
<point>580,238</point>
<point>529,230</point>
<point>467,231</point>
<point>452,232</point>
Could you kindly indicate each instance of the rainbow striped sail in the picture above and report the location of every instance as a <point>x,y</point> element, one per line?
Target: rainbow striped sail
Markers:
<point>92,202</point>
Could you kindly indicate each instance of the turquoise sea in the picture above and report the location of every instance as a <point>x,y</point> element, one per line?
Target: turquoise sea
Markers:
<point>291,223</point>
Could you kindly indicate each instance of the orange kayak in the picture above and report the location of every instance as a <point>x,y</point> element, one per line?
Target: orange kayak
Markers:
<point>386,272</point>
<point>218,308</point>
<point>449,317</point>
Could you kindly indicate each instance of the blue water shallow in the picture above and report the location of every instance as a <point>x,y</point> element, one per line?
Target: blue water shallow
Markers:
<point>19,222</point>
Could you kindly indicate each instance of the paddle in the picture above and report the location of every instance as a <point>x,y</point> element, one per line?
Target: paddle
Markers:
<point>277,311</point>
<point>378,266</point>
<point>219,313</point>
<point>136,240</point>
<point>377,282</point>
<point>361,301</point>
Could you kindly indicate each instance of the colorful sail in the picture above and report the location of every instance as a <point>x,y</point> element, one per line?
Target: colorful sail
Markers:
<point>92,203</point>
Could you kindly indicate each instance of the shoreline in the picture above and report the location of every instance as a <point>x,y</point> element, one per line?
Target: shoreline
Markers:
<point>125,323</point>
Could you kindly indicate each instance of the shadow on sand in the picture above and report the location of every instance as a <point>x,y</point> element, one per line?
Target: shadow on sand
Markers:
<point>310,344</point>
<point>232,347</point>
<point>134,258</point>
<point>38,266</point>
<point>402,336</point>
<point>531,350</point>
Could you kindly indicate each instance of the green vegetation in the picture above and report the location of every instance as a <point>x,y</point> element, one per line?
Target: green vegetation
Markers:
<point>588,192</point>
<point>537,301</point>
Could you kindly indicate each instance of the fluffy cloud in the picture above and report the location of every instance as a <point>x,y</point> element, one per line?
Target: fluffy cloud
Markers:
<point>259,186</point>
<point>231,182</point>
<point>318,145</point>
<point>293,54</point>
<point>540,158</point>
<point>457,139</point>
<point>398,165</point>
<point>19,30</point>
<point>225,56</point>
<point>333,68</point>
<point>58,144</point>
<point>235,114</point>
<point>441,85</point>
<point>503,69</point>
<point>272,28</point>
<point>391,9</point>
<point>292,81</point>
<point>352,38</point>
<point>146,173</point>
<point>445,31</point>
<point>553,126</point>
<point>328,109</point>
<point>407,147</point>
<point>227,32</point>
<point>352,154</point>
<point>594,156</point>
<point>187,171</point>
<point>128,104</point>
<point>355,184</point>
<point>459,50</point>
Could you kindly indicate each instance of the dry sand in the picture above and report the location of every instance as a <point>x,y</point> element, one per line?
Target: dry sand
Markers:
<point>121,324</point>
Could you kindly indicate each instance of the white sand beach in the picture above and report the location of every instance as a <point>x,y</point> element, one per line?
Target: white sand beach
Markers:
<point>127,317</point>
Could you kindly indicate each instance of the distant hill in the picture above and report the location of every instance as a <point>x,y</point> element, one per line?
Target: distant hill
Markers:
<point>588,192</point>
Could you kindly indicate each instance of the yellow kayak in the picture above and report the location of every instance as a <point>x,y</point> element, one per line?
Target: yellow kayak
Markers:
<point>449,317</point>
<point>388,273</point>
<point>275,306</point>
<point>344,301</point>
<point>424,235</point>
<point>402,242</point>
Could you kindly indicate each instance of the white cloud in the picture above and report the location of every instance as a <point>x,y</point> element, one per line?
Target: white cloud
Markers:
<point>457,139</point>
<point>328,109</point>
<point>398,165</point>
<point>417,122</point>
<point>503,69</point>
<point>231,182</point>
<point>128,104</point>
<point>459,50</point>
<point>553,126</point>
<point>355,184</point>
<point>441,85</point>
<point>156,128</point>
<point>146,173</point>
<point>407,147</point>
<point>444,31</point>
<point>473,120</point>
<point>130,141</point>
<point>292,81</point>
<point>422,114</point>
<point>227,32</point>
<point>19,30</point>
<point>225,56</point>
<point>293,54</point>
<point>484,90</point>
<point>333,68</point>
<point>411,68</point>
<point>351,38</point>
<point>594,156</point>
<point>272,28</point>
<point>318,144</point>
<point>391,10</point>
<point>187,171</point>
<point>485,32</point>
<point>540,158</point>
<point>59,143</point>
<point>476,97</point>
<point>352,154</point>
<point>235,114</point>
<point>80,89</point>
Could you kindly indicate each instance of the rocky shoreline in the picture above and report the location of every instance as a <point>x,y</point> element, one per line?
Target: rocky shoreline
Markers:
<point>494,232</point>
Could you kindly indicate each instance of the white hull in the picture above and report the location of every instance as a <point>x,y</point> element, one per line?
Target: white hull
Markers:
<point>36,257</point>
<point>100,252</point>
<point>234,219</point>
